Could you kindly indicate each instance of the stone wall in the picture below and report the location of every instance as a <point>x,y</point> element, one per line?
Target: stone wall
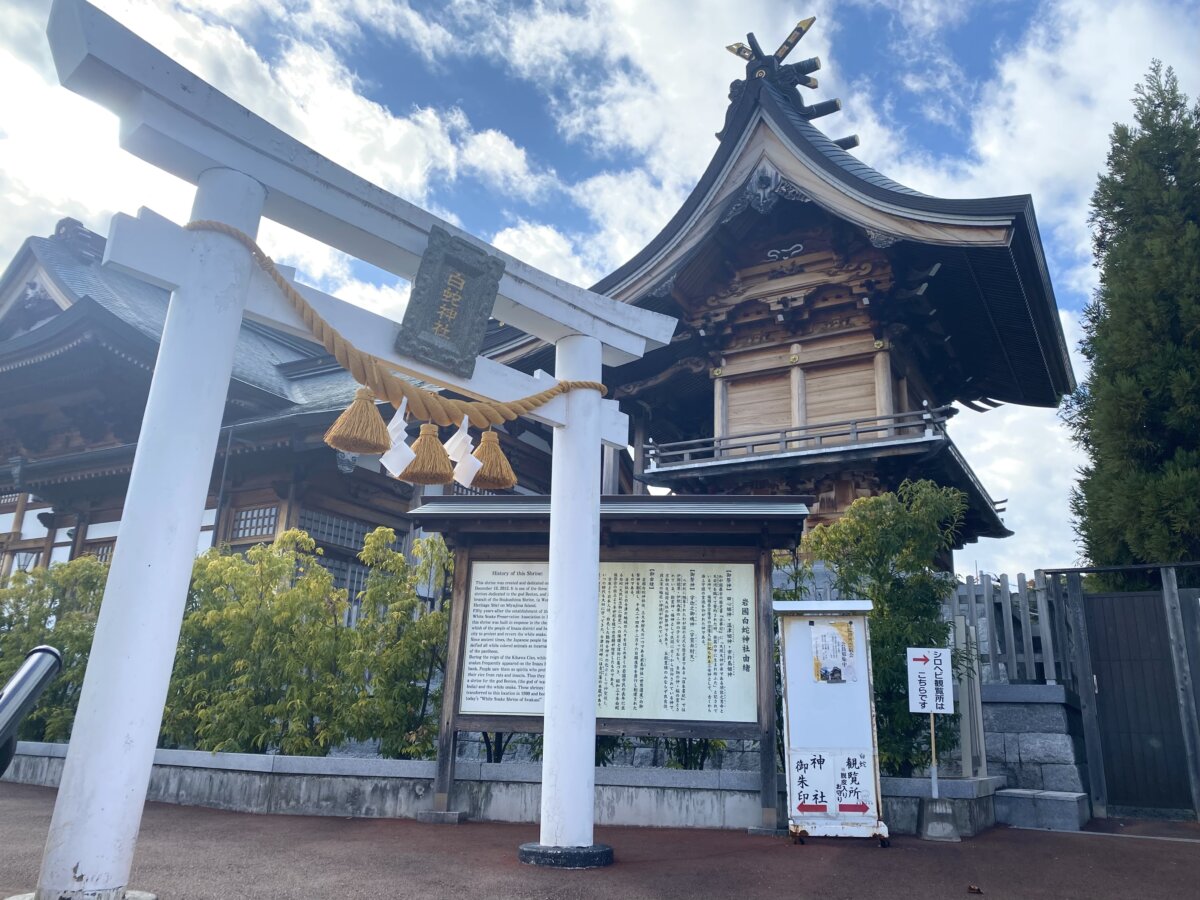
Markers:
<point>508,792</point>
<point>1034,736</point>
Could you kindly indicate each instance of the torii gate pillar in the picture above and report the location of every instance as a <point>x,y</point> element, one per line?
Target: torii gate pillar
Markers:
<point>572,625</point>
<point>89,850</point>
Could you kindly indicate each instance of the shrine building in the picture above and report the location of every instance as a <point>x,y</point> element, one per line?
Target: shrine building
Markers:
<point>829,317</point>
<point>78,342</point>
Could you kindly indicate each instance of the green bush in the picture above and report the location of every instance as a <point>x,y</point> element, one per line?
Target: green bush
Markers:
<point>265,662</point>
<point>55,606</point>
<point>884,550</point>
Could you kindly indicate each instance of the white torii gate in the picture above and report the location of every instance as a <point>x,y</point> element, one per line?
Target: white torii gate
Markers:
<point>244,168</point>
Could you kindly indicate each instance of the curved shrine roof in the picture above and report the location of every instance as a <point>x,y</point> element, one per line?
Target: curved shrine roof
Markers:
<point>994,269</point>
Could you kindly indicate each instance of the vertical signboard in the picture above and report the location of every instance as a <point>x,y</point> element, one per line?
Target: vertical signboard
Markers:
<point>930,681</point>
<point>829,721</point>
<point>930,693</point>
<point>452,297</point>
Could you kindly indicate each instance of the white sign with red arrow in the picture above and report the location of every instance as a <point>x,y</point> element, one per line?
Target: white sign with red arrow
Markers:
<point>930,680</point>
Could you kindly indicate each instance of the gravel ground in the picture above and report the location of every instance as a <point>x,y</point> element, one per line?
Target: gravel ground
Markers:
<point>189,853</point>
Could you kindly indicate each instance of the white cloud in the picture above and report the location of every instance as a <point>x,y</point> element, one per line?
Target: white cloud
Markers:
<point>498,162</point>
<point>548,249</point>
<point>628,208</point>
<point>45,132</point>
<point>1042,124</point>
<point>347,19</point>
<point>641,86</point>
<point>621,78</point>
<point>59,154</point>
<point>386,299</point>
<point>333,272</point>
<point>1024,455</point>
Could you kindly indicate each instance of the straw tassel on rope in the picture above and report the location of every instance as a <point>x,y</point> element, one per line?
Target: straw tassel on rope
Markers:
<point>495,473</point>
<point>431,464</point>
<point>356,431</point>
<point>360,429</point>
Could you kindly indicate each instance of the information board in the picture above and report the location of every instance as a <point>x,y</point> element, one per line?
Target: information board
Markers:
<point>677,641</point>
<point>833,785</point>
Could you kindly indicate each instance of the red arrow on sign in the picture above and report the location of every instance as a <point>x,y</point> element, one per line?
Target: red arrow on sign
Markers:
<point>858,807</point>
<point>923,660</point>
<point>811,807</point>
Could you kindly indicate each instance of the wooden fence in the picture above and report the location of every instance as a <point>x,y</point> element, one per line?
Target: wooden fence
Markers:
<point>1019,625</point>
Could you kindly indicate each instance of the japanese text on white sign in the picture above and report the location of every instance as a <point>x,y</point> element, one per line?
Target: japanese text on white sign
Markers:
<point>677,641</point>
<point>930,680</point>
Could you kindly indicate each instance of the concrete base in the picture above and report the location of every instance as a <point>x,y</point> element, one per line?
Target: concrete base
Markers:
<point>970,798</point>
<point>768,832</point>
<point>937,821</point>
<point>129,895</point>
<point>593,857</point>
<point>441,817</point>
<point>1050,810</point>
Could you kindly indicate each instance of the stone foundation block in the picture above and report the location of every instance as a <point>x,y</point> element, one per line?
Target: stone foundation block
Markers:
<point>1045,748</point>
<point>1049,810</point>
<point>1057,777</point>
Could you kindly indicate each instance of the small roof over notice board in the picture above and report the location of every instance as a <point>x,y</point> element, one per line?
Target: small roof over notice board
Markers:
<point>771,522</point>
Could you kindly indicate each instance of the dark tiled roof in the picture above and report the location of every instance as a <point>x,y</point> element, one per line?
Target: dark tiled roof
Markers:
<point>816,139</point>
<point>260,349</point>
<point>1014,313</point>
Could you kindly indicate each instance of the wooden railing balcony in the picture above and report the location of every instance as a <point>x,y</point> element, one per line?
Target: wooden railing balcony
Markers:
<point>843,435</point>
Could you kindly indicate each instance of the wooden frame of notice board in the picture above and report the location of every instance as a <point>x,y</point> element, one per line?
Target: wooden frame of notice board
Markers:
<point>638,533</point>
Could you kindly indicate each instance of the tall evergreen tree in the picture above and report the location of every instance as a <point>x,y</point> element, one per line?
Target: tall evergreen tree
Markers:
<point>1138,414</point>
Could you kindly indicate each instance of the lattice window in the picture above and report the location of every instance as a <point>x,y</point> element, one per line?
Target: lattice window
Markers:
<point>349,575</point>
<point>458,490</point>
<point>102,550</point>
<point>258,521</point>
<point>9,499</point>
<point>340,531</point>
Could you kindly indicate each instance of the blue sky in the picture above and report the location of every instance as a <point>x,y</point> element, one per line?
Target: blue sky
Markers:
<point>568,132</point>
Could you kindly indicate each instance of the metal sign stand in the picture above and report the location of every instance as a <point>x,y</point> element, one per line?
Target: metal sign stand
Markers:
<point>829,720</point>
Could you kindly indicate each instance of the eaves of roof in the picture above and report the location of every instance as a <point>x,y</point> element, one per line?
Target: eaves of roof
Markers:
<point>144,307</point>
<point>63,330</point>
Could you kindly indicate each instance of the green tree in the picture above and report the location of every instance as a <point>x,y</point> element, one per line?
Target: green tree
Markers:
<point>397,650</point>
<point>260,660</point>
<point>266,663</point>
<point>1137,416</point>
<point>56,606</point>
<point>884,549</point>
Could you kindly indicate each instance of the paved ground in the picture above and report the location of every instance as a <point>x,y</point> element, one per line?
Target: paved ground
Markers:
<point>187,853</point>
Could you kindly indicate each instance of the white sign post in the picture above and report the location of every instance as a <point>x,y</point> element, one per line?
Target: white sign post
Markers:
<point>930,690</point>
<point>245,168</point>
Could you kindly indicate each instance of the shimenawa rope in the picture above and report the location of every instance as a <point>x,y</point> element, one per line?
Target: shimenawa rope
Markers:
<point>373,372</point>
<point>360,429</point>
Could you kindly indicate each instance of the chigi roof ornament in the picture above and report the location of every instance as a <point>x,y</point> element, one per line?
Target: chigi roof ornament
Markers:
<point>793,75</point>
